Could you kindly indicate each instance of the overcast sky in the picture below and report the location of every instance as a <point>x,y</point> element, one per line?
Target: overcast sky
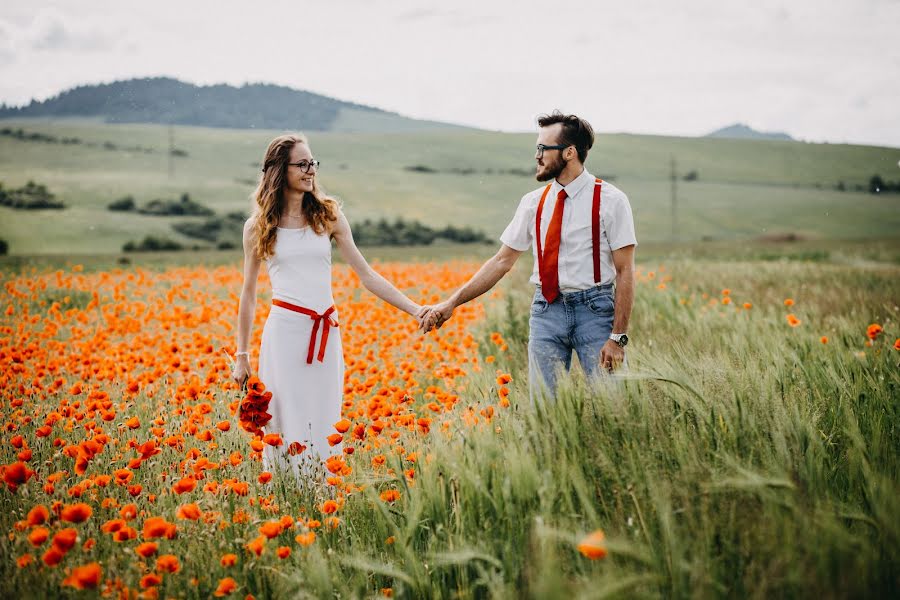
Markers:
<point>820,70</point>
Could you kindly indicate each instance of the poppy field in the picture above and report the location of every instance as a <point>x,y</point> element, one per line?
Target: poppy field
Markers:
<point>750,451</point>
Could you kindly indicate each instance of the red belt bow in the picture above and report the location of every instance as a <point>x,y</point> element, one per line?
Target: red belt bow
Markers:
<point>317,318</point>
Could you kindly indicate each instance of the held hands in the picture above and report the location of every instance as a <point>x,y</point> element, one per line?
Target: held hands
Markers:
<point>611,356</point>
<point>432,317</point>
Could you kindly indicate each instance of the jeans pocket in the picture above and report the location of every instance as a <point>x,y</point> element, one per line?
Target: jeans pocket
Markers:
<point>603,305</point>
<point>539,305</point>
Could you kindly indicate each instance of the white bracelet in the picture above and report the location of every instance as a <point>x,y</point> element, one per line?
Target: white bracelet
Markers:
<point>247,354</point>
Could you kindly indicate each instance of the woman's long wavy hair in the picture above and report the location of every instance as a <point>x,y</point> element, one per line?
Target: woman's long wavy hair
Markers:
<point>320,211</point>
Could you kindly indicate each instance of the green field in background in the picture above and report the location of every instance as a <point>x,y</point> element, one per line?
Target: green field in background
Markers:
<point>746,188</point>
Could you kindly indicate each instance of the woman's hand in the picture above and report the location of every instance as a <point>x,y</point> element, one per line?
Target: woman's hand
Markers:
<point>241,370</point>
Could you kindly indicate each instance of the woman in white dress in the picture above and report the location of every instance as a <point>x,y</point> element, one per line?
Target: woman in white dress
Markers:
<point>300,357</point>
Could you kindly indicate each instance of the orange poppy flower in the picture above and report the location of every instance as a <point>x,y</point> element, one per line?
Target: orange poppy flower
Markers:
<point>65,539</point>
<point>38,515</point>
<point>38,536</point>
<point>271,529</point>
<point>189,511</point>
<point>150,580</point>
<point>86,577</point>
<point>593,545</point>
<point>146,549</point>
<point>168,563</point>
<point>229,560</point>
<point>874,330</point>
<point>185,485</point>
<point>226,587</point>
<point>390,495</point>
<point>76,513</point>
<point>257,546</point>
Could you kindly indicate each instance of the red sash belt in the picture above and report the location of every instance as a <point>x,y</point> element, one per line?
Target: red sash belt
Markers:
<point>317,318</point>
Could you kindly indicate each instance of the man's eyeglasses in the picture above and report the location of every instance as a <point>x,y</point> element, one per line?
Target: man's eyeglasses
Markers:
<point>542,147</point>
<point>306,164</point>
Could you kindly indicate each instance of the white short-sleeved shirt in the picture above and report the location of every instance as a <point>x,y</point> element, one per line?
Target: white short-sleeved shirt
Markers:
<point>576,258</point>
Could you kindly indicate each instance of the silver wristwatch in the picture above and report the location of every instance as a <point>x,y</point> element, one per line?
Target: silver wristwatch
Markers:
<point>620,338</point>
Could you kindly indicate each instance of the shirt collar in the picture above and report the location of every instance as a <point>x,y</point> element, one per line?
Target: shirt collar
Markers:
<point>576,185</point>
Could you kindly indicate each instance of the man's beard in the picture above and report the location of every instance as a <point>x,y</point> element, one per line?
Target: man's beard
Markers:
<point>552,170</point>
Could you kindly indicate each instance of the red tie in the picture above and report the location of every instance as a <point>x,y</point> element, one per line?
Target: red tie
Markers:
<point>549,267</point>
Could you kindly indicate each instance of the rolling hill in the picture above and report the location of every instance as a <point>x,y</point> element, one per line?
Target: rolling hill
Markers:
<point>728,190</point>
<point>739,131</point>
<point>163,100</point>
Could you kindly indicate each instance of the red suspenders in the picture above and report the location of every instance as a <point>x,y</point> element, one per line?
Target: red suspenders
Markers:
<point>595,227</point>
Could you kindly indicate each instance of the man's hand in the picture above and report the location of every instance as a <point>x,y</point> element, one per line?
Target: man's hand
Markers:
<point>438,315</point>
<point>611,356</point>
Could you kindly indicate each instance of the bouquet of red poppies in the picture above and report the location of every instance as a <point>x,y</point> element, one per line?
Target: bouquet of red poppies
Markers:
<point>253,410</point>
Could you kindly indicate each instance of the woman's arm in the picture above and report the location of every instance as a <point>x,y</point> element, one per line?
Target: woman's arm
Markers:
<point>247,306</point>
<point>372,281</point>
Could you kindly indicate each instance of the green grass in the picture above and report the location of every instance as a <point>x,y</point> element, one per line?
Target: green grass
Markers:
<point>746,189</point>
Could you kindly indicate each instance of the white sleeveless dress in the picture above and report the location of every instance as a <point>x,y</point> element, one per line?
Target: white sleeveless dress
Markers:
<point>306,398</point>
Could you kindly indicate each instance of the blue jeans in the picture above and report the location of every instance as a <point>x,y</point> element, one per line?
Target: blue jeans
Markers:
<point>579,321</point>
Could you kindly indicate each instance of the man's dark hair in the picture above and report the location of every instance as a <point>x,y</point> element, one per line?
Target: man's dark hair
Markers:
<point>575,131</point>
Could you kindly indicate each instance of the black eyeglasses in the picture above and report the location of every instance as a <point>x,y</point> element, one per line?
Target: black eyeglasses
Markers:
<point>542,147</point>
<point>306,164</point>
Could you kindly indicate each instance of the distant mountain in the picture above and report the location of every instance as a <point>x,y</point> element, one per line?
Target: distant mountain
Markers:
<point>741,131</point>
<point>252,106</point>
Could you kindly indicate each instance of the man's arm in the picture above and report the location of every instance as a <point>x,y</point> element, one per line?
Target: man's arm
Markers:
<point>612,354</point>
<point>487,277</point>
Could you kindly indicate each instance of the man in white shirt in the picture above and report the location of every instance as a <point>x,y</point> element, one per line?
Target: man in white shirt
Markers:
<point>582,232</point>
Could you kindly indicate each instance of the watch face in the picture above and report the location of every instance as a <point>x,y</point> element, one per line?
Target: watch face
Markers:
<point>623,340</point>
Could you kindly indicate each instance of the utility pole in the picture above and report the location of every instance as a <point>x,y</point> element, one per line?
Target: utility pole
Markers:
<point>171,151</point>
<point>674,177</point>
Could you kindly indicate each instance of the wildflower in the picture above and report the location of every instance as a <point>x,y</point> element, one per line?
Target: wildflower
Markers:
<point>306,539</point>
<point>168,563</point>
<point>390,495</point>
<point>146,549</point>
<point>76,513</point>
<point>824,339</point>
<point>897,344</point>
<point>265,477</point>
<point>150,580</point>
<point>38,515</point>
<point>189,511</point>
<point>16,474</point>
<point>226,586</point>
<point>65,539</point>
<point>792,320</point>
<point>788,301</point>
<point>38,536</point>
<point>228,560</point>
<point>86,577</point>
<point>185,485</point>
<point>593,545</point>
<point>283,552</point>
<point>874,330</point>
<point>257,546</point>
<point>271,529</point>
<point>329,507</point>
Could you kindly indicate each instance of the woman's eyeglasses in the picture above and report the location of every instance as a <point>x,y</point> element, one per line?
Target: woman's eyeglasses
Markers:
<point>306,164</point>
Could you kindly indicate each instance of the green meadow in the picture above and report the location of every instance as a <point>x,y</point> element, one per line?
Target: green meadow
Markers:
<point>744,189</point>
